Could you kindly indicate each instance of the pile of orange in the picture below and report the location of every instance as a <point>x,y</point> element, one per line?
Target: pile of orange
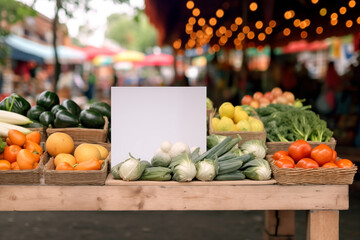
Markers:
<point>22,151</point>
<point>86,156</point>
<point>300,154</point>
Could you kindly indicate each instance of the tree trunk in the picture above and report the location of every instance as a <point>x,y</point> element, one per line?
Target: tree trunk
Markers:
<point>54,28</point>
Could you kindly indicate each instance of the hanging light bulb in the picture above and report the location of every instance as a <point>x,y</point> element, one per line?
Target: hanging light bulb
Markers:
<point>297,22</point>
<point>238,21</point>
<point>314,1</point>
<point>272,23</point>
<point>358,20</point>
<point>286,31</point>
<point>246,29</point>
<point>323,11</point>
<point>259,24</point>
<point>342,10</point>
<point>268,30</point>
<point>241,36</point>
<point>212,21</point>
<point>261,36</point>
<point>251,35</point>
<point>220,13</point>
<point>319,30</point>
<point>201,22</point>
<point>303,34</point>
<point>234,27</point>
<point>349,23</point>
<point>190,4</point>
<point>253,6</point>
<point>192,20</point>
<point>352,3</point>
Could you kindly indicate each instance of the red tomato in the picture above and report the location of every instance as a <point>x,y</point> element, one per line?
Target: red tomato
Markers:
<point>299,149</point>
<point>269,96</point>
<point>258,95</point>
<point>344,163</point>
<point>11,152</point>
<point>329,165</point>
<point>334,156</point>
<point>307,163</point>
<point>276,92</point>
<point>280,154</point>
<point>246,100</point>
<point>254,103</point>
<point>322,154</point>
<point>289,158</point>
<point>285,163</point>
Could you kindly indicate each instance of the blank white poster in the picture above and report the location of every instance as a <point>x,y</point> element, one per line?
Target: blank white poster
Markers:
<point>144,117</point>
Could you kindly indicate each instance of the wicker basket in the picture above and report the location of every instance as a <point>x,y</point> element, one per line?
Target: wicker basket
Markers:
<point>23,176</point>
<point>84,134</point>
<point>72,177</point>
<point>245,135</point>
<point>291,176</point>
<point>273,147</point>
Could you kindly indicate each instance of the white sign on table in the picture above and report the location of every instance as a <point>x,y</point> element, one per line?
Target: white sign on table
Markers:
<point>144,117</point>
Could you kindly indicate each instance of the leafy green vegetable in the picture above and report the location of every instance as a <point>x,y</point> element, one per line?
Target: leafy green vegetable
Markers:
<point>257,169</point>
<point>284,123</point>
<point>207,169</point>
<point>183,168</point>
<point>156,174</point>
<point>256,147</point>
<point>213,140</point>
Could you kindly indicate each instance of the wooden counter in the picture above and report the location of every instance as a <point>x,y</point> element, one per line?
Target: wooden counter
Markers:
<point>322,201</point>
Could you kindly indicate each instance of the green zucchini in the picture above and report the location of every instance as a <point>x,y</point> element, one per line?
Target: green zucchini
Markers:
<point>236,175</point>
<point>34,112</point>
<point>47,118</point>
<point>64,119</point>
<point>211,153</point>
<point>57,108</point>
<point>156,174</point>
<point>102,108</point>
<point>91,119</point>
<point>229,165</point>
<point>47,100</point>
<point>71,107</point>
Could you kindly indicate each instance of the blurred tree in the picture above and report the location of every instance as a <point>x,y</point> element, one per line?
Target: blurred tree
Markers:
<point>67,6</point>
<point>11,12</point>
<point>131,32</point>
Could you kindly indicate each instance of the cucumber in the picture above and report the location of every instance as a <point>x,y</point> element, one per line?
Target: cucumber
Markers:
<point>91,119</point>
<point>236,175</point>
<point>47,118</point>
<point>210,153</point>
<point>34,112</point>
<point>102,108</point>
<point>71,107</point>
<point>229,166</point>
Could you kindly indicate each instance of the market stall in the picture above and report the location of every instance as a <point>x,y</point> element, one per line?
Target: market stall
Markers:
<point>75,169</point>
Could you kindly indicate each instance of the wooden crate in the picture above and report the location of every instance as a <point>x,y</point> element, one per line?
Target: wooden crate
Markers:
<point>72,177</point>
<point>31,176</point>
<point>273,147</point>
<point>88,135</point>
<point>245,135</point>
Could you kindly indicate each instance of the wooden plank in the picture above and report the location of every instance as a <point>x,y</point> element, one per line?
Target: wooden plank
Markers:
<point>322,225</point>
<point>116,182</point>
<point>174,197</point>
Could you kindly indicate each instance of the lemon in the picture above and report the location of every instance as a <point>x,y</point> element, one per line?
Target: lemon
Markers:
<point>256,125</point>
<point>226,110</point>
<point>243,125</point>
<point>214,123</point>
<point>225,124</point>
<point>240,114</point>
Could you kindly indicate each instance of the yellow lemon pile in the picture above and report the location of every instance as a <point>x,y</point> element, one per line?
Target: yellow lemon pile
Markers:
<point>233,119</point>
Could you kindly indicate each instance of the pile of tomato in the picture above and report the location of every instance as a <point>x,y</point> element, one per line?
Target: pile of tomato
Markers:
<point>300,154</point>
<point>22,151</point>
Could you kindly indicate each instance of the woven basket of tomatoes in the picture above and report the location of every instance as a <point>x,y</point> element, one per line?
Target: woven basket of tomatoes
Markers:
<point>22,159</point>
<point>75,163</point>
<point>304,164</point>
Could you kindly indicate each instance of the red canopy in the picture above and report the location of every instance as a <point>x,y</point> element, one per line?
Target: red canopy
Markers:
<point>158,59</point>
<point>300,46</point>
<point>91,52</point>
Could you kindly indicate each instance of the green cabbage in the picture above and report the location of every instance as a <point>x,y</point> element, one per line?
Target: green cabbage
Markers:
<point>213,140</point>
<point>257,147</point>
<point>183,168</point>
<point>131,169</point>
<point>257,169</point>
<point>207,169</point>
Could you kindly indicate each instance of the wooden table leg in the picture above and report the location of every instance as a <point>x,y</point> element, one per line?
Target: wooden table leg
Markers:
<point>279,225</point>
<point>322,225</point>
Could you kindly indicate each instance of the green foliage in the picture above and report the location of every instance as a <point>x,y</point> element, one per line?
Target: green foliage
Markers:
<point>131,32</point>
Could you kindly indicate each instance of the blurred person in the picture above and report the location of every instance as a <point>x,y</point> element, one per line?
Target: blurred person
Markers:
<point>65,82</point>
<point>332,85</point>
<point>289,80</point>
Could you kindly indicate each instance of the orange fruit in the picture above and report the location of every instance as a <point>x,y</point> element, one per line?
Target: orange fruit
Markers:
<point>64,157</point>
<point>85,152</point>
<point>59,143</point>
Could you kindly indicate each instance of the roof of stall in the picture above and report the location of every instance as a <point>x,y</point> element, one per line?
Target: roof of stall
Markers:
<point>273,22</point>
